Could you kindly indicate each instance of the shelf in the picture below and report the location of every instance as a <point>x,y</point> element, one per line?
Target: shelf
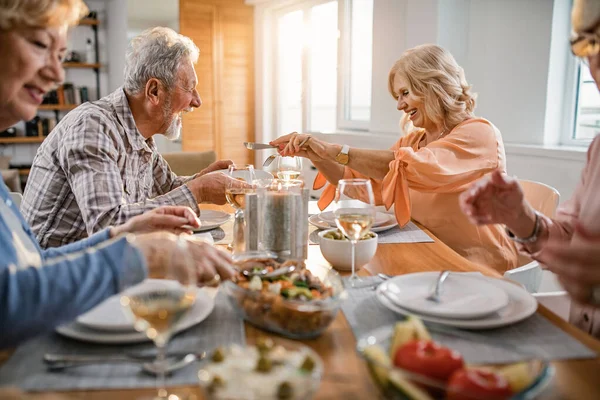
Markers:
<point>80,65</point>
<point>57,107</point>
<point>24,171</point>
<point>22,139</point>
<point>89,21</point>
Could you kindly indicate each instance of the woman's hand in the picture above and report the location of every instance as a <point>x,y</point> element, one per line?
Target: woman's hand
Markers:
<point>159,248</point>
<point>498,199</point>
<point>576,263</point>
<point>312,148</point>
<point>166,218</point>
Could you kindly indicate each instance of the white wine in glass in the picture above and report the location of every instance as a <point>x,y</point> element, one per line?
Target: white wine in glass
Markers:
<point>354,209</point>
<point>236,197</point>
<point>157,305</point>
<point>289,168</point>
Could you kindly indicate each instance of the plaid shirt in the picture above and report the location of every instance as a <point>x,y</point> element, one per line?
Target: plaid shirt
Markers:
<point>95,170</point>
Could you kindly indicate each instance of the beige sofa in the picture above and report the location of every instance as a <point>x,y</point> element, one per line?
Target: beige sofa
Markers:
<point>187,163</point>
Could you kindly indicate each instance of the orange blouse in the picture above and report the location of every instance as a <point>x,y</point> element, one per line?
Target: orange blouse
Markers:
<point>425,183</point>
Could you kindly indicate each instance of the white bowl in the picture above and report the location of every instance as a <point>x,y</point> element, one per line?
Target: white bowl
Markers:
<point>339,252</point>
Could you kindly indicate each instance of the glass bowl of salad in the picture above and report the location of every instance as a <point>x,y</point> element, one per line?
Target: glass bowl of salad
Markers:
<point>299,303</point>
<point>406,363</point>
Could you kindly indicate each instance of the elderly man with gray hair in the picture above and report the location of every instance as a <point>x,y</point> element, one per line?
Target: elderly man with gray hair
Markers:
<point>100,165</point>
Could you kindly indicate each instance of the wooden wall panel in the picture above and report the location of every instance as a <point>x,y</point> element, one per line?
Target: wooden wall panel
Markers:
<point>224,32</point>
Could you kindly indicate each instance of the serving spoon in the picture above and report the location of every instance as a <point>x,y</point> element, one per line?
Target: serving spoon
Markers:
<point>263,273</point>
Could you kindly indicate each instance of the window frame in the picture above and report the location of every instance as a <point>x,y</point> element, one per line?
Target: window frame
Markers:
<point>569,128</point>
<point>343,67</point>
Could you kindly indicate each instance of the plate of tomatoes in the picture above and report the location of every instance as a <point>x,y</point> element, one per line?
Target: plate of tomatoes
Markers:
<point>406,363</point>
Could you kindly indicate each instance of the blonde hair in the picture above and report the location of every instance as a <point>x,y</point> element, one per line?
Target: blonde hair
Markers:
<point>40,13</point>
<point>434,77</point>
<point>156,53</point>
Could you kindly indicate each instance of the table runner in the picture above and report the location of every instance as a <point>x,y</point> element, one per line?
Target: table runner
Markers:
<point>25,369</point>
<point>534,337</point>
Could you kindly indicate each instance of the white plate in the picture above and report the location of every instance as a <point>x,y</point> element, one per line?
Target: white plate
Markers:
<point>462,296</point>
<point>521,305</point>
<point>243,174</point>
<point>380,218</point>
<point>211,219</point>
<point>201,309</point>
<point>319,223</point>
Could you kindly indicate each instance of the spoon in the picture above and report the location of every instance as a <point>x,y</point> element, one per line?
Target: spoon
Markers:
<point>273,274</point>
<point>177,363</point>
<point>435,292</point>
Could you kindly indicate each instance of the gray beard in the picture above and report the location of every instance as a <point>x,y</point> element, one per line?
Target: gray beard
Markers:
<point>173,131</point>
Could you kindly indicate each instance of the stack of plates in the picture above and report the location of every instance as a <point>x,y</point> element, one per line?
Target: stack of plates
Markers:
<point>211,219</point>
<point>109,323</point>
<point>468,301</point>
<point>326,220</point>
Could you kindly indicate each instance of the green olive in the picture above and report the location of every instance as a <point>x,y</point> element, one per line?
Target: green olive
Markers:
<point>264,344</point>
<point>218,355</point>
<point>285,391</point>
<point>264,365</point>
<point>308,365</point>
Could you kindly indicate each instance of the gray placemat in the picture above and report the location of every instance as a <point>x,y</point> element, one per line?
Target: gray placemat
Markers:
<point>26,370</point>
<point>410,233</point>
<point>535,337</point>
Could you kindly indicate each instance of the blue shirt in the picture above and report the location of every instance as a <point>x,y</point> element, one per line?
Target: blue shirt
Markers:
<point>40,291</point>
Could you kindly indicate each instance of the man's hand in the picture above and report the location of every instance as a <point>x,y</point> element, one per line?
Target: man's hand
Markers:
<point>161,248</point>
<point>216,166</point>
<point>175,219</point>
<point>211,188</point>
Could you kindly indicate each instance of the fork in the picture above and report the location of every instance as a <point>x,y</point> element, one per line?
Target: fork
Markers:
<point>272,157</point>
<point>436,290</point>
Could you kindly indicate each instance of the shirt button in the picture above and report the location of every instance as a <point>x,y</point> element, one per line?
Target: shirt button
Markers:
<point>9,202</point>
<point>586,317</point>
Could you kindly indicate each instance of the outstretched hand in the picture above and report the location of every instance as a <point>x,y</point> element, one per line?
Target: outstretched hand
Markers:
<point>174,219</point>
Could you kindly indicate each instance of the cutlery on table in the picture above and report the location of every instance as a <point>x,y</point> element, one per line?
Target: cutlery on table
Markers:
<point>175,360</point>
<point>435,292</point>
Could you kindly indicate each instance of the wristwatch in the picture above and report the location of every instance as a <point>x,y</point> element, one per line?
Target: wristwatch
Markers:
<point>342,156</point>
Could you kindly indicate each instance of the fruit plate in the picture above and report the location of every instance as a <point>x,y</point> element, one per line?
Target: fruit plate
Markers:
<point>526,379</point>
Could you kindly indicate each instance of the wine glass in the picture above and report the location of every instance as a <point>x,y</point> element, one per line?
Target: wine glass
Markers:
<point>289,168</point>
<point>354,217</point>
<point>157,305</point>
<point>236,197</point>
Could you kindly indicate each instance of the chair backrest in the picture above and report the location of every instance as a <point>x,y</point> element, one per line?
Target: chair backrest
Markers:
<point>542,197</point>
<point>16,198</point>
<point>187,163</point>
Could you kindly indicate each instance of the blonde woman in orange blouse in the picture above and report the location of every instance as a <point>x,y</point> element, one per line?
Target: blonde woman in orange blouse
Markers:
<point>445,149</point>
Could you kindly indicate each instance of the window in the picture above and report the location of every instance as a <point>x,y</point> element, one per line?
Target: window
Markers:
<point>587,108</point>
<point>323,62</point>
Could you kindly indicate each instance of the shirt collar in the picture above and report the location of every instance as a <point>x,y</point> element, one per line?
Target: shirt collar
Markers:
<point>123,112</point>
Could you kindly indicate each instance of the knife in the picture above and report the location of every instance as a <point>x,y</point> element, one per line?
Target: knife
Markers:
<point>50,358</point>
<point>258,146</point>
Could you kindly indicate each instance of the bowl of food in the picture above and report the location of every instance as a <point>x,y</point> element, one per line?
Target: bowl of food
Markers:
<point>404,362</point>
<point>266,371</point>
<point>299,303</point>
<point>336,249</point>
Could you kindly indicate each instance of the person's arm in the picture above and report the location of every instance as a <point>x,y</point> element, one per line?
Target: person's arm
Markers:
<point>34,300</point>
<point>90,159</point>
<point>78,246</point>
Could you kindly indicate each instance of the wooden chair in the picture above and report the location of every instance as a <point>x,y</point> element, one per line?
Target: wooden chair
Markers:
<point>542,284</point>
<point>187,163</point>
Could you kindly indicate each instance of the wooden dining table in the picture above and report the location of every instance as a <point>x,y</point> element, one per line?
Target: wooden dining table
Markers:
<point>346,375</point>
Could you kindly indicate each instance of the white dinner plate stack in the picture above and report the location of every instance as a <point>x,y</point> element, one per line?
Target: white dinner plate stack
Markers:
<point>468,301</point>
<point>326,220</point>
<point>109,323</point>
